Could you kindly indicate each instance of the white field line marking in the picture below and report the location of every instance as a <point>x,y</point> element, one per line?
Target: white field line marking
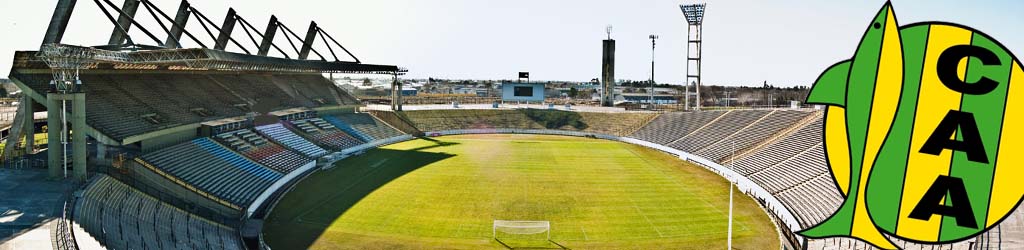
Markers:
<point>678,181</point>
<point>645,217</point>
<point>379,163</point>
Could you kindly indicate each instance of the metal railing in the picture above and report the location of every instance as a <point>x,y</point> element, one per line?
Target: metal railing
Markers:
<point>64,237</point>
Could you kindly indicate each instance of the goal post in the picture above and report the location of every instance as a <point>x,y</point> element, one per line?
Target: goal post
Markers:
<point>519,227</point>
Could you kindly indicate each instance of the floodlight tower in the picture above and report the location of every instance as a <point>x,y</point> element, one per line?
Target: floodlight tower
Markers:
<point>694,14</point>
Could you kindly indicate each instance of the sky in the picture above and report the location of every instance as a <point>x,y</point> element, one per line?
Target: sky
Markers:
<point>746,42</point>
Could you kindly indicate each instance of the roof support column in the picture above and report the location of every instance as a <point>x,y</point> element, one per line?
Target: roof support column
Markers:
<point>307,44</point>
<point>59,21</point>
<point>225,30</point>
<point>268,37</point>
<point>117,37</point>
<point>180,20</point>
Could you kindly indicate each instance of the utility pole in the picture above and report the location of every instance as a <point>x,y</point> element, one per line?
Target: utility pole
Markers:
<point>729,243</point>
<point>653,38</point>
<point>727,98</point>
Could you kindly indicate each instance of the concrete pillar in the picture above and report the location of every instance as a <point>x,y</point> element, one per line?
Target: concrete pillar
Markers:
<point>396,94</point>
<point>29,128</point>
<point>101,151</point>
<point>54,152</point>
<point>78,148</point>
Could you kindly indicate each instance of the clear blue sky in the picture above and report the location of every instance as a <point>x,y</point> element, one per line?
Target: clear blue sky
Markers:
<point>746,41</point>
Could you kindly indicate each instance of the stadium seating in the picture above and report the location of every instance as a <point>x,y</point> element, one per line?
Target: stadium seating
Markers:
<point>671,126</point>
<point>814,199</point>
<point>619,124</point>
<point>757,132</point>
<point>121,217</point>
<point>283,136</point>
<point>317,89</point>
<point>792,171</point>
<point>262,150</point>
<point>792,167</point>
<point>122,105</point>
<point>786,148</point>
<point>397,120</point>
<point>606,123</point>
<point>363,126</point>
<point>214,169</point>
<point>322,133</point>
<point>723,127</point>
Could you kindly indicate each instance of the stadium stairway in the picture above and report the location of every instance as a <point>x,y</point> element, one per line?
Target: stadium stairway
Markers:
<point>278,133</point>
<point>262,150</point>
<point>396,121</point>
<point>364,124</point>
<point>322,133</point>
<point>723,127</point>
<point>810,121</point>
<point>742,140</point>
<point>669,127</point>
<point>348,129</point>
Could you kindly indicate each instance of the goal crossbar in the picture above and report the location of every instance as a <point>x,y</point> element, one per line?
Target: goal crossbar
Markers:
<point>521,227</point>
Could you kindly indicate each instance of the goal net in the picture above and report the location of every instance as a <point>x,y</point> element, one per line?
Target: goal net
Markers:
<point>522,230</point>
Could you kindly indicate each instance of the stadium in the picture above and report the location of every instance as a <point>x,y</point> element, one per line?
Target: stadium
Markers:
<point>166,147</point>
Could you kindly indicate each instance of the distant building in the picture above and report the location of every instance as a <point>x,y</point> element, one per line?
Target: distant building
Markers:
<point>522,92</point>
<point>409,91</point>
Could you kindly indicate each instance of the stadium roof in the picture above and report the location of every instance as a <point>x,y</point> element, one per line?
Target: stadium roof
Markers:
<point>196,59</point>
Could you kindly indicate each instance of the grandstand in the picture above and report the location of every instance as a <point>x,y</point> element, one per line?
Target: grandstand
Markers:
<point>788,162</point>
<point>137,103</point>
<point>605,123</point>
<point>213,168</point>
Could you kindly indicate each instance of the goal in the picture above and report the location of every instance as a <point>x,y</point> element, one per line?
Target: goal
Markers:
<point>520,229</point>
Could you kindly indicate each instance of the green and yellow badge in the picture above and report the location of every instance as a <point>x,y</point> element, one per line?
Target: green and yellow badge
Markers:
<point>923,132</point>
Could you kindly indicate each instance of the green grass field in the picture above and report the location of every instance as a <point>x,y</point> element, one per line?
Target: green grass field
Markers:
<point>445,193</point>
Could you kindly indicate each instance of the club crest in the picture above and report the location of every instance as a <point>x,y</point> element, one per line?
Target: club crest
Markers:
<point>920,131</point>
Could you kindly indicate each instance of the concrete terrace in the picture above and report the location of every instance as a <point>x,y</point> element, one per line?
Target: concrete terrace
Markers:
<point>29,207</point>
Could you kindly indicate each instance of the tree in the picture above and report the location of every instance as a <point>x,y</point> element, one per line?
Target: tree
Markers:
<point>367,82</point>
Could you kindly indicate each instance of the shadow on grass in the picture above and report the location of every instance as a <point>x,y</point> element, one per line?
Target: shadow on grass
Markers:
<point>437,144</point>
<point>307,211</point>
<point>555,119</point>
<point>559,246</point>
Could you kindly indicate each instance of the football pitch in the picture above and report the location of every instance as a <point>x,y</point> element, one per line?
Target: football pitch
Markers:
<point>445,192</point>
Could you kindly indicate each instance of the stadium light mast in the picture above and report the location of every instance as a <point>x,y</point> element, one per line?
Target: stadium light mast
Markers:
<point>694,14</point>
<point>653,38</point>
